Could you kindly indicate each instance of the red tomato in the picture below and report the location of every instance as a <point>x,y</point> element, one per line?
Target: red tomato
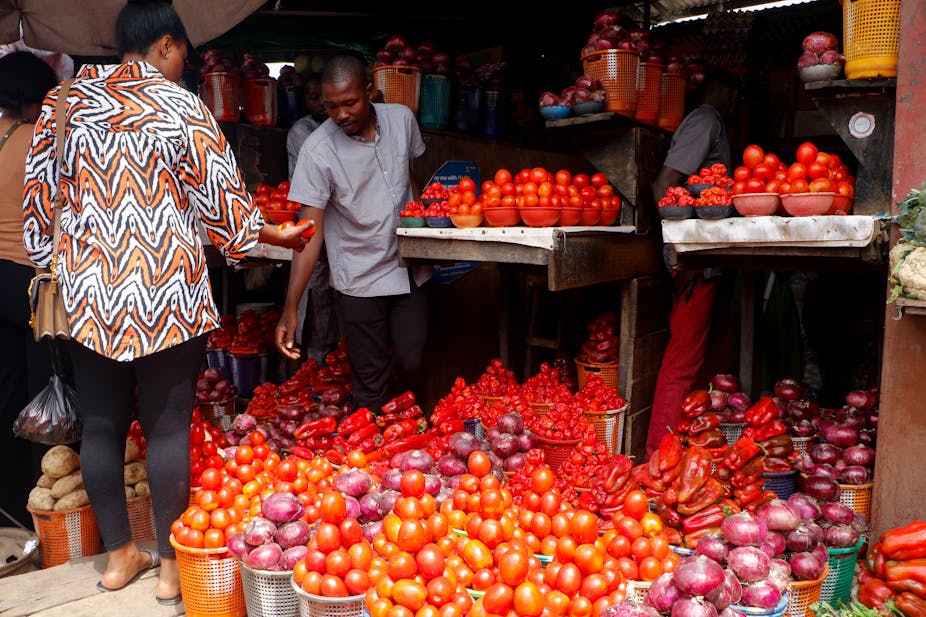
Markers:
<point>772,186</point>
<point>333,507</point>
<point>635,504</point>
<point>523,176</point>
<point>820,185</point>
<point>306,234</point>
<point>412,483</point>
<point>479,463</point>
<point>328,537</point>
<point>755,185</point>
<point>584,527</point>
<point>487,186</point>
<point>753,155</point>
<point>598,179</point>
<point>430,561</point>
<point>763,172</point>
<point>351,532</point>
<point>539,175</point>
<point>806,153</point>
<point>337,562</point>
<point>739,187</point>
<point>467,184</point>
<point>772,160</point>
<point>797,171</point>
<point>513,567</point>
<point>799,186</point>
<point>357,582</point>
<point>211,479</point>
<point>332,587</point>
<point>563,178</point>
<point>588,558</point>
<point>742,173</point>
<point>283,186</point>
<point>498,599</point>
<point>817,170</point>
<point>580,180</point>
<point>569,579</point>
<point>528,600</point>
<point>502,177</point>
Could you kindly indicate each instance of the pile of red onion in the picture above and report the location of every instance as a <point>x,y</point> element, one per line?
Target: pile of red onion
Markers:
<point>586,88</point>
<point>820,48</point>
<point>727,401</point>
<point>609,33</point>
<point>699,587</point>
<point>426,56</point>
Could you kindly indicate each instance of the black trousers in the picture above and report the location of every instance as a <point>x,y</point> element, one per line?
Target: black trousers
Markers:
<point>166,383</point>
<point>384,333</point>
<point>25,367</point>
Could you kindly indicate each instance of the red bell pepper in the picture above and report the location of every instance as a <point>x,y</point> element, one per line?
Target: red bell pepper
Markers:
<point>668,514</point>
<point>696,469</point>
<point>704,422</point>
<point>316,428</point>
<point>404,428</point>
<point>764,410</point>
<point>770,429</point>
<point>361,418</point>
<point>915,587</point>
<point>616,474</point>
<point>875,560</point>
<point>781,445</point>
<point>670,496</point>
<point>335,457</point>
<point>766,496</point>
<point>748,494</point>
<point>874,593</point>
<point>405,443</point>
<point>696,403</point>
<point>670,452</point>
<point>321,442</point>
<point>400,403</point>
<point>710,439</point>
<point>910,569</point>
<point>302,452</point>
<point>709,494</point>
<point>710,516</point>
<point>910,605</point>
<point>683,426</point>
<point>362,434</point>
<point>741,453</point>
<point>773,464</point>
<point>690,540</point>
<point>903,543</point>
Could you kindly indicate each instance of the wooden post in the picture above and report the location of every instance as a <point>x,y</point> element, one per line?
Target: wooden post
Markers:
<point>900,483</point>
<point>748,333</point>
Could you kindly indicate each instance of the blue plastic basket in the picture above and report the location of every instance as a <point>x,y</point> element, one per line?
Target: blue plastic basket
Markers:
<point>837,586</point>
<point>474,427</point>
<point>218,358</point>
<point>245,372</point>
<point>784,483</point>
<point>778,611</point>
<point>434,106</point>
<point>495,113</point>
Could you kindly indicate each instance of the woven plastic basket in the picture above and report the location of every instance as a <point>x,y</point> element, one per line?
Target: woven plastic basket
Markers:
<point>640,589</point>
<point>870,36</point>
<point>778,611</point>
<point>671,101</point>
<point>555,452</point>
<point>218,358</point>
<point>857,497</point>
<point>219,413</point>
<point>784,483</point>
<point>259,97</point>
<point>837,586</point>
<point>801,444</point>
<point>732,431</point>
<point>268,593</point>
<point>607,372</point>
<point>245,372</point>
<point>434,112</point>
<point>609,427</point>
<point>649,91</point>
<point>805,593</point>
<point>65,535</point>
<point>474,427</point>
<point>616,69</point>
<point>141,518</point>
<point>541,409</point>
<point>399,84</point>
<point>311,605</point>
<point>210,581</point>
<point>222,94</point>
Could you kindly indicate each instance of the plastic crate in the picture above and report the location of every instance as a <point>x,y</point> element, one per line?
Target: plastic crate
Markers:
<point>245,372</point>
<point>609,427</point>
<point>555,452</point>
<point>607,372</point>
<point>857,497</point>
<point>732,430</point>
<point>222,94</point>
<point>617,70</point>
<point>269,593</point>
<point>399,84</point>
<point>210,582</point>
<point>141,518</point>
<point>259,97</point>
<point>671,101</point>
<point>805,593</point>
<point>474,427</point>
<point>434,104</point>
<point>870,35</point>
<point>784,483</point>
<point>649,91</point>
<point>65,535</point>
<point>778,611</point>
<point>311,605</point>
<point>837,586</point>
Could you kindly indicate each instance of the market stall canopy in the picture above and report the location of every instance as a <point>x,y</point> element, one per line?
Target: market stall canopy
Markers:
<point>86,28</point>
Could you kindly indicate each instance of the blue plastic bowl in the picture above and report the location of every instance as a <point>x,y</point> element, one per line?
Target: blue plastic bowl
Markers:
<point>439,221</point>
<point>555,112</point>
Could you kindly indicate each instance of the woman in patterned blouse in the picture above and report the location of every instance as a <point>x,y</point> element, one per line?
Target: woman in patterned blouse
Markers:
<point>144,162</point>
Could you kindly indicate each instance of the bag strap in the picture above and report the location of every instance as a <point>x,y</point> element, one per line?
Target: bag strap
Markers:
<point>60,130</point>
<point>9,132</point>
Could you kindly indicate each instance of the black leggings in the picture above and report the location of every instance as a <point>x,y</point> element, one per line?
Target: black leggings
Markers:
<point>166,384</point>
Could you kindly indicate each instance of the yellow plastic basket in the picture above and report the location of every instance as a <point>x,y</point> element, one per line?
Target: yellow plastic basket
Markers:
<point>399,84</point>
<point>870,34</point>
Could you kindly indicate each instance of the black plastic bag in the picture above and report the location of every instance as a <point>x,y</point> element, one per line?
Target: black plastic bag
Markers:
<point>53,416</point>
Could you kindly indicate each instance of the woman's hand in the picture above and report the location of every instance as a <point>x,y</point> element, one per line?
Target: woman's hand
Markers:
<point>290,237</point>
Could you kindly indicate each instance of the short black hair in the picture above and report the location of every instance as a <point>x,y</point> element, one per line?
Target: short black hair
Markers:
<point>142,22</point>
<point>24,78</point>
<point>721,78</point>
<point>341,68</point>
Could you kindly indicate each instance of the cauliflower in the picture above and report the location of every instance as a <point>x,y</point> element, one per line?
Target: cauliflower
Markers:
<point>908,271</point>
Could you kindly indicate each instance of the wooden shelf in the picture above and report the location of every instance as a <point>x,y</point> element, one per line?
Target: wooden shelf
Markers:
<point>909,306</point>
<point>815,88</point>
<point>602,119</point>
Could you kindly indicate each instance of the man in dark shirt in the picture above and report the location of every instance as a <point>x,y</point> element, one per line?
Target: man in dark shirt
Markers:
<point>700,141</point>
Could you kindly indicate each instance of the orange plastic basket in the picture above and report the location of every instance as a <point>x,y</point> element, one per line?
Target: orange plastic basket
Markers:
<point>607,372</point>
<point>649,91</point>
<point>141,518</point>
<point>555,452</point>
<point>671,101</point>
<point>609,427</point>
<point>259,97</point>
<point>805,593</point>
<point>221,93</point>
<point>399,84</point>
<point>870,33</point>
<point>541,409</point>
<point>210,581</point>
<point>617,70</point>
<point>857,497</point>
<point>65,535</point>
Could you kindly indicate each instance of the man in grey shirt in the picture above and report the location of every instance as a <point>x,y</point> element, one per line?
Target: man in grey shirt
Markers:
<point>353,177</point>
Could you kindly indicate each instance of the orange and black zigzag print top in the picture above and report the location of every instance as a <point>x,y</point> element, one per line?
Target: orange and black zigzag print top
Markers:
<point>144,161</point>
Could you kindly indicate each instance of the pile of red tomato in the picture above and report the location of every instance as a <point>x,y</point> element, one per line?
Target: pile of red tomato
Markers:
<point>813,171</point>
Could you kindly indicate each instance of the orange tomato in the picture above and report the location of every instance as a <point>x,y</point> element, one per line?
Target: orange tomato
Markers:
<point>479,463</point>
<point>651,568</point>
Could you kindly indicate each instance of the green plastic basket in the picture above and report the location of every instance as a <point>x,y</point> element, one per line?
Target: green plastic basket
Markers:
<point>838,583</point>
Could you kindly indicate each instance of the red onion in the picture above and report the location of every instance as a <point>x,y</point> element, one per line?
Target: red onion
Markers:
<point>663,594</point>
<point>773,544</point>
<point>803,428</point>
<point>739,401</point>
<point>749,563</point>
<point>726,594</point>
<point>803,410</point>
<point>713,546</point>
<point>778,515</point>
<point>823,453</point>
<point>867,436</point>
<point>718,400</point>
<point>385,56</point>
<point>840,435</point>
<point>732,583</point>
<point>859,455</point>
<point>731,612</point>
<point>396,43</point>
<point>827,471</point>
<point>781,564</point>
<point>807,506</point>
<point>629,609</point>
<point>860,524</point>
<point>606,19</point>
<point>761,595</point>
<point>788,389</point>
<point>802,539</point>
<point>850,416</point>
<point>860,399</point>
<point>819,42</point>
<point>628,45</point>
<point>675,67</point>
<point>693,607</point>
<point>440,58</point>
<point>697,575</point>
<point>779,575</point>
<point>840,536</point>
<point>724,382</point>
<point>588,82</point>
<point>738,416</point>
<point>604,43</point>
<point>259,531</point>
<point>854,474</point>
<point>822,488</point>
<point>237,546</point>
<point>806,566</point>
<point>548,99</point>
<point>806,59</point>
<point>743,529</point>
<point>804,463</point>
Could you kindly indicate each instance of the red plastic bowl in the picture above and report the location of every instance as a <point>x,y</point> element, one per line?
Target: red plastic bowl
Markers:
<point>756,204</point>
<point>539,217</point>
<point>609,216</point>
<point>590,216</point>
<point>502,217</point>
<point>281,216</point>
<point>842,204</point>
<point>569,217</point>
<point>807,204</point>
